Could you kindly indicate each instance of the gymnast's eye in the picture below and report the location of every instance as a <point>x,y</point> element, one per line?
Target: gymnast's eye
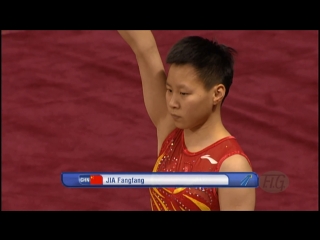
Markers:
<point>183,93</point>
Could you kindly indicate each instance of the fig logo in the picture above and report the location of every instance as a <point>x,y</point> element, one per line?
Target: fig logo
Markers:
<point>273,182</point>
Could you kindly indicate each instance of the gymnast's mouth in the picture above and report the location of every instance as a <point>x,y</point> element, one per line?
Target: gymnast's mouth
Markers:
<point>175,116</point>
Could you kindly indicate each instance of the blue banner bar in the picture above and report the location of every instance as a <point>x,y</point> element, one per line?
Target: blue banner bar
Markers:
<point>149,180</point>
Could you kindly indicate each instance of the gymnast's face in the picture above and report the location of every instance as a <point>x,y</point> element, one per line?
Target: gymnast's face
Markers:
<point>189,103</point>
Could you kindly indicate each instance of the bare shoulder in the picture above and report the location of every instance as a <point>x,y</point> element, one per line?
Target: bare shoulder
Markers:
<point>236,199</point>
<point>236,163</point>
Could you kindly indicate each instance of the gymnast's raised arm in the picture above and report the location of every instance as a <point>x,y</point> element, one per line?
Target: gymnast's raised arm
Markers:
<point>153,79</point>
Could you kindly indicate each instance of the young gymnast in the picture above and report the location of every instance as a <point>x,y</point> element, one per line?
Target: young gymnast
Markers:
<point>185,109</point>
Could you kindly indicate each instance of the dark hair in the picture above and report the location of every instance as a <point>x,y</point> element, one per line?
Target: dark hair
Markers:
<point>213,61</point>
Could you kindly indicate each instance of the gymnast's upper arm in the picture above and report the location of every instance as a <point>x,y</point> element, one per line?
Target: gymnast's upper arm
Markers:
<point>236,199</point>
<point>153,79</point>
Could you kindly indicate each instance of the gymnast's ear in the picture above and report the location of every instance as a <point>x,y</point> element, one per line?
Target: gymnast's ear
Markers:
<point>218,93</point>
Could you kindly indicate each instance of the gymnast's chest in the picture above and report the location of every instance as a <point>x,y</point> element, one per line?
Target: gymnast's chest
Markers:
<point>176,160</point>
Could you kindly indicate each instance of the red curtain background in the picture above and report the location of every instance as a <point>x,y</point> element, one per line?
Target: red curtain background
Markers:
<point>72,101</point>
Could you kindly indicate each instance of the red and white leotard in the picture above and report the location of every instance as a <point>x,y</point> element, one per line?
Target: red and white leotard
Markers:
<point>174,157</point>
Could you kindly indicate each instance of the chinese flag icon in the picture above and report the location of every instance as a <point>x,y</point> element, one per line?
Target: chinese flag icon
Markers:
<point>96,179</point>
